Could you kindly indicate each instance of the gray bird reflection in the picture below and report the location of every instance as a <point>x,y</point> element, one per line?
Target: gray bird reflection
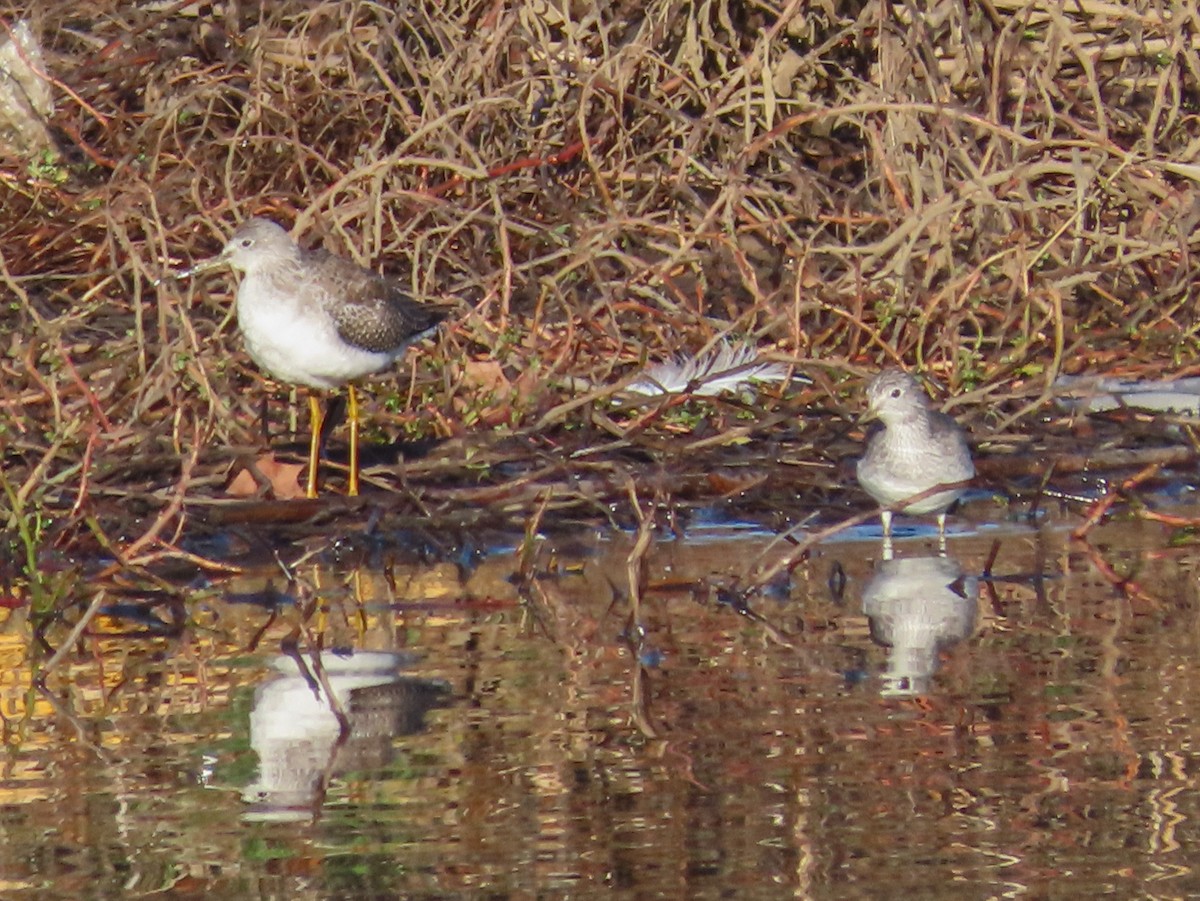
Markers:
<point>301,738</point>
<point>918,606</point>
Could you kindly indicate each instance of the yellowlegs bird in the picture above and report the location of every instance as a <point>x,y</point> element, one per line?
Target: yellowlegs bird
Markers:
<point>918,451</point>
<point>311,318</point>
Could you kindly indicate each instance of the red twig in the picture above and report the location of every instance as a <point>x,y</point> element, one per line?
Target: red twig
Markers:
<point>1106,503</point>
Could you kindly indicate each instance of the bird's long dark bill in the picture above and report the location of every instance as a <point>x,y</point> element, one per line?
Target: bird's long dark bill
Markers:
<point>866,417</point>
<point>203,266</point>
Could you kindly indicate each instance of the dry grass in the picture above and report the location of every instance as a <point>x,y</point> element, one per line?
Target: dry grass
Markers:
<point>991,192</point>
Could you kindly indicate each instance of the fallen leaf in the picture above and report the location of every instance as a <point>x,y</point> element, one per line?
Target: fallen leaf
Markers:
<point>284,479</point>
<point>485,376</point>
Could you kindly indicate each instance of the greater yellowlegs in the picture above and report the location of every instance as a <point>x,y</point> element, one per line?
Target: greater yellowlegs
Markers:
<point>917,451</point>
<point>314,319</point>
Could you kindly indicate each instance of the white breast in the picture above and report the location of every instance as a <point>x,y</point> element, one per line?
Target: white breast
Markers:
<point>295,340</point>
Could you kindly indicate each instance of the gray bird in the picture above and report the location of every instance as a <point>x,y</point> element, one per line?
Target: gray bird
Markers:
<point>917,451</point>
<point>918,606</point>
<point>311,318</point>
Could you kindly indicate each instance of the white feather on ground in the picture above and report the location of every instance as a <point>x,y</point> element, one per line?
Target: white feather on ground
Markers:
<point>725,368</point>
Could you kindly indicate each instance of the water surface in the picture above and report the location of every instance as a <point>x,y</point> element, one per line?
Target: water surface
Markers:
<point>875,729</point>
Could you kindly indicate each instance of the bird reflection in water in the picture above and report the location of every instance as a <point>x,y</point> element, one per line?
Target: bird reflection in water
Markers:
<point>303,739</point>
<point>918,606</point>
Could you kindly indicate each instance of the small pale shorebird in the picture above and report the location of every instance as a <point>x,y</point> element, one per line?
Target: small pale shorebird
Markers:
<point>918,451</point>
<point>311,318</point>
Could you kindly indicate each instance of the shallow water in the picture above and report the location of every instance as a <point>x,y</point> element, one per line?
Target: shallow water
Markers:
<point>1031,735</point>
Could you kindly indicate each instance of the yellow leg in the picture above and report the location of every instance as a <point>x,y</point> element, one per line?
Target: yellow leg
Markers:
<point>352,413</point>
<point>314,447</point>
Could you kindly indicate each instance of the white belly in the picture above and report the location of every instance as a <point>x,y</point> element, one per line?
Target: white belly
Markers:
<point>297,342</point>
<point>894,470</point>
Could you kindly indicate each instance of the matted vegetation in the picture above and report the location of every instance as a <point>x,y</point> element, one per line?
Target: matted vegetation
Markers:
<point>991,192</point>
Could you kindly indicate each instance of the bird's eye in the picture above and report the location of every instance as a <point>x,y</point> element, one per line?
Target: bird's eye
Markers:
<point>895,392</point>
<point>247,242</point>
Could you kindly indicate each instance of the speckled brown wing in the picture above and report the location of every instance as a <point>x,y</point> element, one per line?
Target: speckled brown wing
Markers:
<point>370,311</point>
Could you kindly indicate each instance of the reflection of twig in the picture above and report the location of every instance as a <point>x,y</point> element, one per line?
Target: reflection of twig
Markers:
<point>640,706</point>
<point>312,671</point>
<point>1106,503</point>
<point>85,733</point>
<point>634,563</point>
<point>1127,586</point>
<point>315,642</point>
<point>636,572</point>
<point>755,580</point>
<point>529,544</point>
<point>335,703</point>
<point>790,559</point>
<point>531,593</point>
<point>738,602</point>
<point>64,648</point>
